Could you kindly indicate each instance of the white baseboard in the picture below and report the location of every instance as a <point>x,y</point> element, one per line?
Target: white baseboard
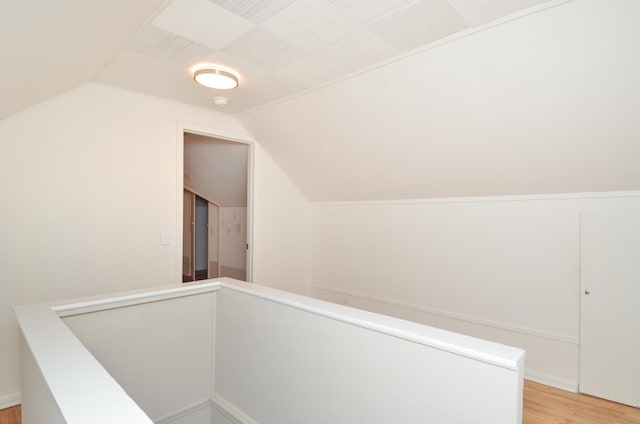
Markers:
<point>220,404</point>
<point>187,410</point>
<point>230,411</point>
<point>550,380</point>
<point>9,400</point>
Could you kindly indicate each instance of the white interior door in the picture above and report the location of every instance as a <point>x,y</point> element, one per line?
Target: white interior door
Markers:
<point>610,307</point>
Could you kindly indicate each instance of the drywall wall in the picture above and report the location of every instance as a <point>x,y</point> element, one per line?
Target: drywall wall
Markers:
<point>233,241</point>
<point>178,332</point>
<point>93,180</point>
<point>542,104</point>
<point>54,164</point>
<point>280,247</point>
<point>505,269</point>
<point>319,363</point>
<point>36,391</point>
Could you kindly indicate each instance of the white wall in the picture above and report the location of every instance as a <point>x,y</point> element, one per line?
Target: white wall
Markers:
<point>233,240</point>
<point>177,351</point>
<point>159,352</point>
<point>286,359</point>
<point>505,269</point>
<point>36,391</point>
<point>91,176</point>
<point>281,248</point>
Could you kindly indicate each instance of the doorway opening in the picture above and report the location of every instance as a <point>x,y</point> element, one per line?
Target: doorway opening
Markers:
<point>216,208</point>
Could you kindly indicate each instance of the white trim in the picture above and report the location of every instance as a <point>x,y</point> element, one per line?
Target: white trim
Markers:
<point>179,202</point>
<point>611,194</point>
<point>183,412</point>
<point>217,402</point>
<point>551,380</point>
<point>451,315</point>
<point>470,347</point>
<point>481,199</point>
<point>470,199</point>
<point>132,299</point>
<point>230,411</point>
<point>9,400</point>
<point>218,242</point>
<point>194,128</point>
<point>250,209</point>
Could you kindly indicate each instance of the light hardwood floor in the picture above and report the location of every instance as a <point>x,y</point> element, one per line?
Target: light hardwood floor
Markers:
<point>542,405</point>
<point>548,405</point>
<point>11,416</point>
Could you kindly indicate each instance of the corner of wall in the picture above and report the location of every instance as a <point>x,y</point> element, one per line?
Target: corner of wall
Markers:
<point>281,228</point>
<point>9,400</point>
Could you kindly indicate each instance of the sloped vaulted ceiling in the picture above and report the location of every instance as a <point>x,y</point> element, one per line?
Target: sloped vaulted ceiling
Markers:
<point>277,47</point>
<point>50,46</point>
<point>280,47</point>
<point>365,100</point>
<point>547,103</point>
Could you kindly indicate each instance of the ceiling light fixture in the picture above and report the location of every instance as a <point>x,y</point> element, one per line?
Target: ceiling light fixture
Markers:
<point>215,78</point>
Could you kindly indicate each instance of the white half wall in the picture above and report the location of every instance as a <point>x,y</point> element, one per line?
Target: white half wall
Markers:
<point>196,354</point>
<point>283,358</point>
<point>91,178</point>
<point>159,352</point>
<point>505,269</point>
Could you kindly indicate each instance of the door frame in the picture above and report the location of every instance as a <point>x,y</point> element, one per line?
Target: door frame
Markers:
<point>203,130</point>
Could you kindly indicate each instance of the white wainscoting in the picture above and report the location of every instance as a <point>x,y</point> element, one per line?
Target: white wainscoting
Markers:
<point>504,268</point>
<point>531,340</point>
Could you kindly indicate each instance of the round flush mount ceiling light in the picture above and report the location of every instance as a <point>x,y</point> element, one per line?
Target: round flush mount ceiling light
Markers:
<point>215,78</point>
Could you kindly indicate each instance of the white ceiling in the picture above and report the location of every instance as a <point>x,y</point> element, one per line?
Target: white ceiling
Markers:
<point>50,46</point>
<point>366,100</point>
<point>281,47</point>
<point>278,47</point>
<point>216,169</point>
<point>548,103</point>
